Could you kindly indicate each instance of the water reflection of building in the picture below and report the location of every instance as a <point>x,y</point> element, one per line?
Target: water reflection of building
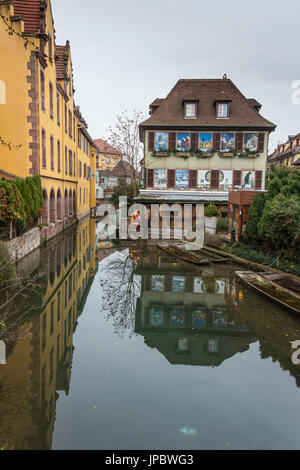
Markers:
<point>39,365</point>
<point>189,317</point>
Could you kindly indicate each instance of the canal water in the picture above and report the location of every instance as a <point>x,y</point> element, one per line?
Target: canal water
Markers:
<point>126,347</point>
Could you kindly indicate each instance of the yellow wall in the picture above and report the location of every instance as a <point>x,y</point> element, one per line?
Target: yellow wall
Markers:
<point>15,128</point>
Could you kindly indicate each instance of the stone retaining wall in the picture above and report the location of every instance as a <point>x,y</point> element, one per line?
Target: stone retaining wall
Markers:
<point>20,246</point>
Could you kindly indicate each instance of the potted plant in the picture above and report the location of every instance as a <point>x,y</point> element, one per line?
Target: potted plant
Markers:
<point>210,214</point>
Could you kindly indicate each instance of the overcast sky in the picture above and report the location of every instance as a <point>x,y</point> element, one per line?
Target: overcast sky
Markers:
<point>126,53</point>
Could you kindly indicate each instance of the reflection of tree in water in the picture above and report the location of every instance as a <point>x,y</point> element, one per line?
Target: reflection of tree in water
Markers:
<point>120,291</point>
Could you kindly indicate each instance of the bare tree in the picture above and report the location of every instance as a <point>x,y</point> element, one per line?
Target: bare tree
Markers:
<point>124,136</point>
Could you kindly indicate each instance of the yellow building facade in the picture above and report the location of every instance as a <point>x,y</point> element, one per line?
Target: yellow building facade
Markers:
<point>42,131</point>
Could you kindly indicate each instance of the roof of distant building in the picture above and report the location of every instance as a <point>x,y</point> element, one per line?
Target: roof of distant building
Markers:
<point>105,147</point>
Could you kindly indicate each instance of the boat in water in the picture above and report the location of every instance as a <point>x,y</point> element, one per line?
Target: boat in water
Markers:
<point>182,254</point>
<point>271,286</point>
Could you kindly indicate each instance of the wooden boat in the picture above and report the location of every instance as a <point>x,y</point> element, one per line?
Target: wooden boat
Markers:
<point>213,258</point>
<point>264,284</point>
<point>182,254</point>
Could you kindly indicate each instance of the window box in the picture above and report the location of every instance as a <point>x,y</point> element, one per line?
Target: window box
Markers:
<point>226,154</point>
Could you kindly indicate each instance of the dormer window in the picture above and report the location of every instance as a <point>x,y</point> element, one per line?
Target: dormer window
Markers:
<point>222,110</point>
<point>190,109</point>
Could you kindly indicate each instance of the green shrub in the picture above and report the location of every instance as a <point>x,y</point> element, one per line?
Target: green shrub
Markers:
<point>211,211</point>
<point>254,215</point>
<point>280,223</point>
<point>251,254</point>
<point>222,224</point>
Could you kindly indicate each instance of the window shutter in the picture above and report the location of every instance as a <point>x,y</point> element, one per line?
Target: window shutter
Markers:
<point>151,141</point>
<point>261,142</point>
<point>171,178</point>
<point>194,140</point>
<point>239,141</point>
<point>258,179</point>
<point>172,140</point>
<point>217,141</point>
<point>237,177</point>
<point>214,179</point>
<point>150,181</point>
<point>193,179</point>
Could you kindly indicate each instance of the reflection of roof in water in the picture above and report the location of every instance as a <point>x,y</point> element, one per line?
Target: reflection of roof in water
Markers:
<point>198,355</point>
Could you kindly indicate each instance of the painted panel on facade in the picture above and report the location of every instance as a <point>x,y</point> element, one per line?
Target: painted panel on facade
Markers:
<point>250,141</point>
<point>205,141</point>
<point>203,179</point>
<point>158,283</point>
<point>178,283</point>
<point>160,178</point>
<point>161,141</point>
<point>248,179</point>
<point>182,179</point>
<point>227,141</point>
<point>225,179</point>
<point>183,141</point>
<point>156,316</point>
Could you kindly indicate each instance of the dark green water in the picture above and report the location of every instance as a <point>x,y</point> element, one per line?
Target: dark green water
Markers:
<point>148,353</point>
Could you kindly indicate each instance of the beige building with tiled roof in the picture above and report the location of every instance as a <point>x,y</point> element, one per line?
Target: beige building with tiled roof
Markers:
<point>201,141</point>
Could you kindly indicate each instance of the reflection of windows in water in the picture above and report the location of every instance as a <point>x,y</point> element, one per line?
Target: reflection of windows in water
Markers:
<point>157,283</point>
<point>199,285</point>
<point>177,317</point>
<point>178,283</point>
<point>183,345</point>
<point>220,319</point>
<point>220,286</point>
<point>213,346</point>
<point>156,316</point>
<point>198,319</point>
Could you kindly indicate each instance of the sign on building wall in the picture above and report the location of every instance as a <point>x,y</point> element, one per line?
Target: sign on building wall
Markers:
<point>161,141</point>
<point>227,141</point>
<point>205,141</point>
<point>182,179</point>
<point>250,141</point>
<point>248,179</point>
<point>225,179</point>
<point>183,141</point>
<point>204,179</point>
<point>160,178</point>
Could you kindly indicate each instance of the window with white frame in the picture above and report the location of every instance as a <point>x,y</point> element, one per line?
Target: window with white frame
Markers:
<point>222,110</point>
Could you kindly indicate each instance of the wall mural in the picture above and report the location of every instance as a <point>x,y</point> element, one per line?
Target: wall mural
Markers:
<point>182,179</point>
<point>183,141</point>
<point>227,141</point>
<point>177,316</point>
<point>203,179</point>
<point>160,178</point>
<point>248,179</point>
<point>225,179</point>
<point>250,141</point>
<point>161,141</point>
<point>205,141</point>
<point>199,286</point>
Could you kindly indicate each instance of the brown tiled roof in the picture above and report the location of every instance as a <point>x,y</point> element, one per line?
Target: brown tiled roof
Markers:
<point>30,12</point>
<point>254,103</point>
<point>170,111</point>
<point>105,147</point>
<point>157,102</point>
<point>61,54</point>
